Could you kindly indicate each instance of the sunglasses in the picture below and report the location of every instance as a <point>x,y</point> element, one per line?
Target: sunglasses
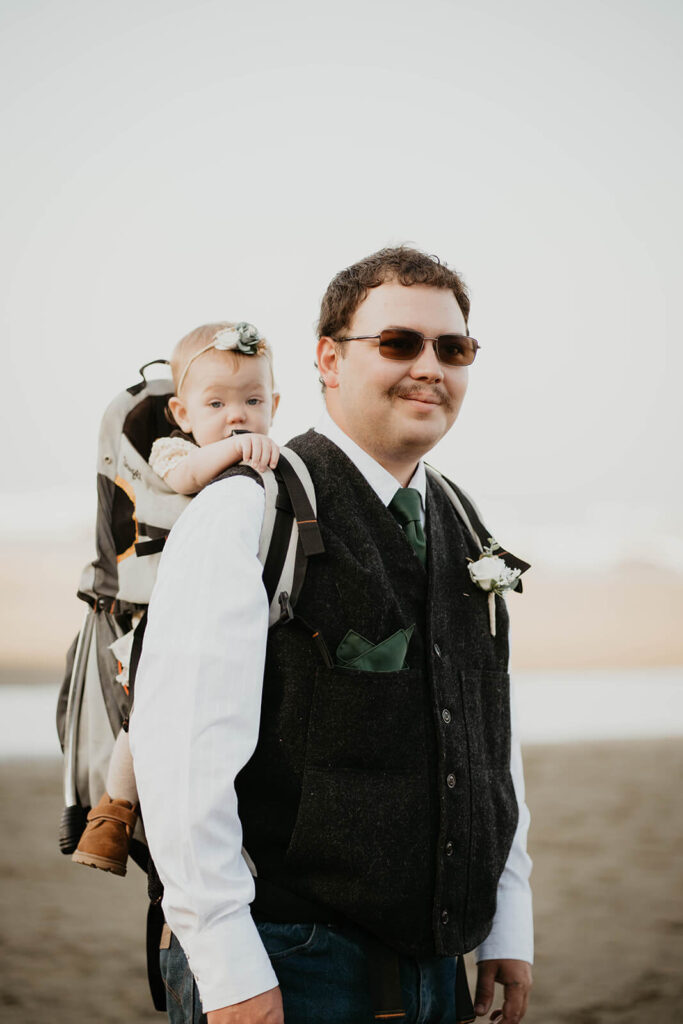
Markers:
<point>403,344</point>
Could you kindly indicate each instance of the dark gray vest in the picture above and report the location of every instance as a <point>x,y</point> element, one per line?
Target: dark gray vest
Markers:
<point>385,796</point>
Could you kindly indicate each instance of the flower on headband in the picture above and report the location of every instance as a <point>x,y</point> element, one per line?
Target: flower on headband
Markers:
<point>243,337</point>
<point>490,571</point>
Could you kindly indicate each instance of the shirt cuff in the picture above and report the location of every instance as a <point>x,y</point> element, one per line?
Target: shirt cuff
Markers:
<point>513,937</point>
<point>234,962</point>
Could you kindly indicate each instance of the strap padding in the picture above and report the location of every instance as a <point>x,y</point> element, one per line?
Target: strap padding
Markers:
<point>290,534</point>
<point>302,494</point>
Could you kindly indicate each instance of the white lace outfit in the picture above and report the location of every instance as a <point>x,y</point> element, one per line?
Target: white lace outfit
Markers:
<point>168,452</point>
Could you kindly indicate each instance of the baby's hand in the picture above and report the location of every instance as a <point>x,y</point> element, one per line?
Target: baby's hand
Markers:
<point>258,451</point>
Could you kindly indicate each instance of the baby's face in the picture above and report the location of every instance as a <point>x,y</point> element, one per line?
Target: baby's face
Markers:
<point>218,397</point>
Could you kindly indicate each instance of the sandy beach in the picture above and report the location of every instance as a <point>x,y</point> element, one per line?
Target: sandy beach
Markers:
<point>608,881</point>
<point>606,837</point>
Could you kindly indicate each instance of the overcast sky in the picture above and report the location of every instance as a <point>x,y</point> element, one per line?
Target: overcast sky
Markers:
<point>168,163</point>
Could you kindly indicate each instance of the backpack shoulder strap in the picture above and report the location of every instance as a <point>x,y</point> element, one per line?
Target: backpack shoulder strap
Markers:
<point>463,505</point>
<point>290,534</point>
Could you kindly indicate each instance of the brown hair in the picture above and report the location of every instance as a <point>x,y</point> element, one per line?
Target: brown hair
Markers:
<point>202,336</point>
<point>350,287</point>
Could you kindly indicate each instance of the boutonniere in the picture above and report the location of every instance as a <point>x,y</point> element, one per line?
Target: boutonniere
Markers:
<point>494,575</point>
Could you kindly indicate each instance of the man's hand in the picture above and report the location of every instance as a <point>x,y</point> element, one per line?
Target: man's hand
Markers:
<point>265,1008</point>
<point>515,977</point>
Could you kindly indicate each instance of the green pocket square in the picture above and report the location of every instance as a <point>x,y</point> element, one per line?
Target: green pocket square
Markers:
<point>388,656</point>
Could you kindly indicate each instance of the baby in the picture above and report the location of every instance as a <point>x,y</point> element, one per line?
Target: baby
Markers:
<point>225,399</point>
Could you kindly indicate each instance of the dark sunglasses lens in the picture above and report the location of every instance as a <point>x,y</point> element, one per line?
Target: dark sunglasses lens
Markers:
<point>399,344</point>
<point>456,349</point>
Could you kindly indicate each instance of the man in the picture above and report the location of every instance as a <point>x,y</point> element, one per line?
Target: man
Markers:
<point>380,795</point>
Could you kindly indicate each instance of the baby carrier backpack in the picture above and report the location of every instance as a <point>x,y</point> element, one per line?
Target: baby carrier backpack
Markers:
<point>135,512</point>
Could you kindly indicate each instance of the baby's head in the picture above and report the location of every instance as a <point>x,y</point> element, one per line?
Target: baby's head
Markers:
<point>223,378</point>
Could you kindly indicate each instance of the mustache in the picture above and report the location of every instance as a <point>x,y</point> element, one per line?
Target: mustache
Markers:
<point>406,391</point>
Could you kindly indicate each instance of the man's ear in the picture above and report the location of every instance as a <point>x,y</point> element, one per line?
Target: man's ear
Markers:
<point>276,402</point>
<point>179,411</point>
<point>328,355</point>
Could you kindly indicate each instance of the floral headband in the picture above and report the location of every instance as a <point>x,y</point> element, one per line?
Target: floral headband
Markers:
<point>243,337</point>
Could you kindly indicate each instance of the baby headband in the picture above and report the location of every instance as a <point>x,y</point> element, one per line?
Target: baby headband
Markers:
<point>243,337</point>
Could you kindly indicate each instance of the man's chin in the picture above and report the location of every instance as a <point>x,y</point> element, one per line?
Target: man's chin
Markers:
<point>420,434</point>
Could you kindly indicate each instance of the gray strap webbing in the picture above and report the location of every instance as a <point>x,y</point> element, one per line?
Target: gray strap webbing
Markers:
<point>434,475</point>
<point>291,575</point>
<point>270,488</point>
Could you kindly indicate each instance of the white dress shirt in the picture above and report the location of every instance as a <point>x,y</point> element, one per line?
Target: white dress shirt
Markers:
<point>195,725</point>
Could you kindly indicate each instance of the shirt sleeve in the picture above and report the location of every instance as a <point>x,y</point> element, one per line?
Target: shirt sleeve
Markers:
<point>512,934</point>
<point>195,724</point>
<point>167,452</point>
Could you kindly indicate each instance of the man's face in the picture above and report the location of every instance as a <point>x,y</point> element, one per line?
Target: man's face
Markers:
<point>398,410</point>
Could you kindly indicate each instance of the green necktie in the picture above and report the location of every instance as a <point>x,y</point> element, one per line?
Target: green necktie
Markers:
<point>405,507</point>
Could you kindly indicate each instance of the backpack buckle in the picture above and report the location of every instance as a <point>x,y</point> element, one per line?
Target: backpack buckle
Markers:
<point>286,611</point>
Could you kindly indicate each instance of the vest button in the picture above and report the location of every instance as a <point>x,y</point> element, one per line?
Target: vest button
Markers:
<point>445,917</point>
<point>450,780</point>
<point>446,715</point>
<point>437,650</point>
<point>449,848</point>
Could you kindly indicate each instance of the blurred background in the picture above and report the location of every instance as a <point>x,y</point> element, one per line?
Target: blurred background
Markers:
<point>169,163</point>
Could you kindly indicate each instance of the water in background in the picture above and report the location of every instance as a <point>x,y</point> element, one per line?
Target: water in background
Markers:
<point>551,707</point>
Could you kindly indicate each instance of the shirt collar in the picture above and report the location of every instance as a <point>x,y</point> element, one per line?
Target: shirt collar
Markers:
<point>380,479</point>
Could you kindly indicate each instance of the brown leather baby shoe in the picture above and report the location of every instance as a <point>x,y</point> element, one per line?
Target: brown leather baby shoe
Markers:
<point>106,840</point>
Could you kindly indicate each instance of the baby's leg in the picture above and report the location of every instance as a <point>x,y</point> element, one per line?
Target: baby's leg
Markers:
<point>121,777</point>
<point>106,840</point>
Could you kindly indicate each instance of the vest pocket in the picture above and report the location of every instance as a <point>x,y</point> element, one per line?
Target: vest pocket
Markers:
<point>362,830</point>
<point>363,720</point>
<point>493,805</point>
<point>360,844</point>
<point>486,700</point>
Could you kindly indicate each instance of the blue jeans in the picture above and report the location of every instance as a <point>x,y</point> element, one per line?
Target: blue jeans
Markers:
<point>323,975</point>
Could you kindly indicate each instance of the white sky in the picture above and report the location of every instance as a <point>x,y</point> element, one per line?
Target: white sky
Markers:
<point>167,163</point>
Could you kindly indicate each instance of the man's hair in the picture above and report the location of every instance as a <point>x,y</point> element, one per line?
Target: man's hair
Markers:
<point>350,287</point>
<point>202,336</point>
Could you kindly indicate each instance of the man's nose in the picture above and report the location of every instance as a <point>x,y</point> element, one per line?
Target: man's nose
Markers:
<point>427,365</point>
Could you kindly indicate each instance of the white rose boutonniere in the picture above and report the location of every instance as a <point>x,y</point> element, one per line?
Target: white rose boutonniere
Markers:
<point>491,574</point>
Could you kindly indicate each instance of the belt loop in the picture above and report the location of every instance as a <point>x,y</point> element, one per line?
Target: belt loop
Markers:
<point>385,981</point>
<point>464,1011</point>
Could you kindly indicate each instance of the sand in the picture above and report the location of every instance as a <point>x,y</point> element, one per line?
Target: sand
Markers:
<point>608,880</point>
